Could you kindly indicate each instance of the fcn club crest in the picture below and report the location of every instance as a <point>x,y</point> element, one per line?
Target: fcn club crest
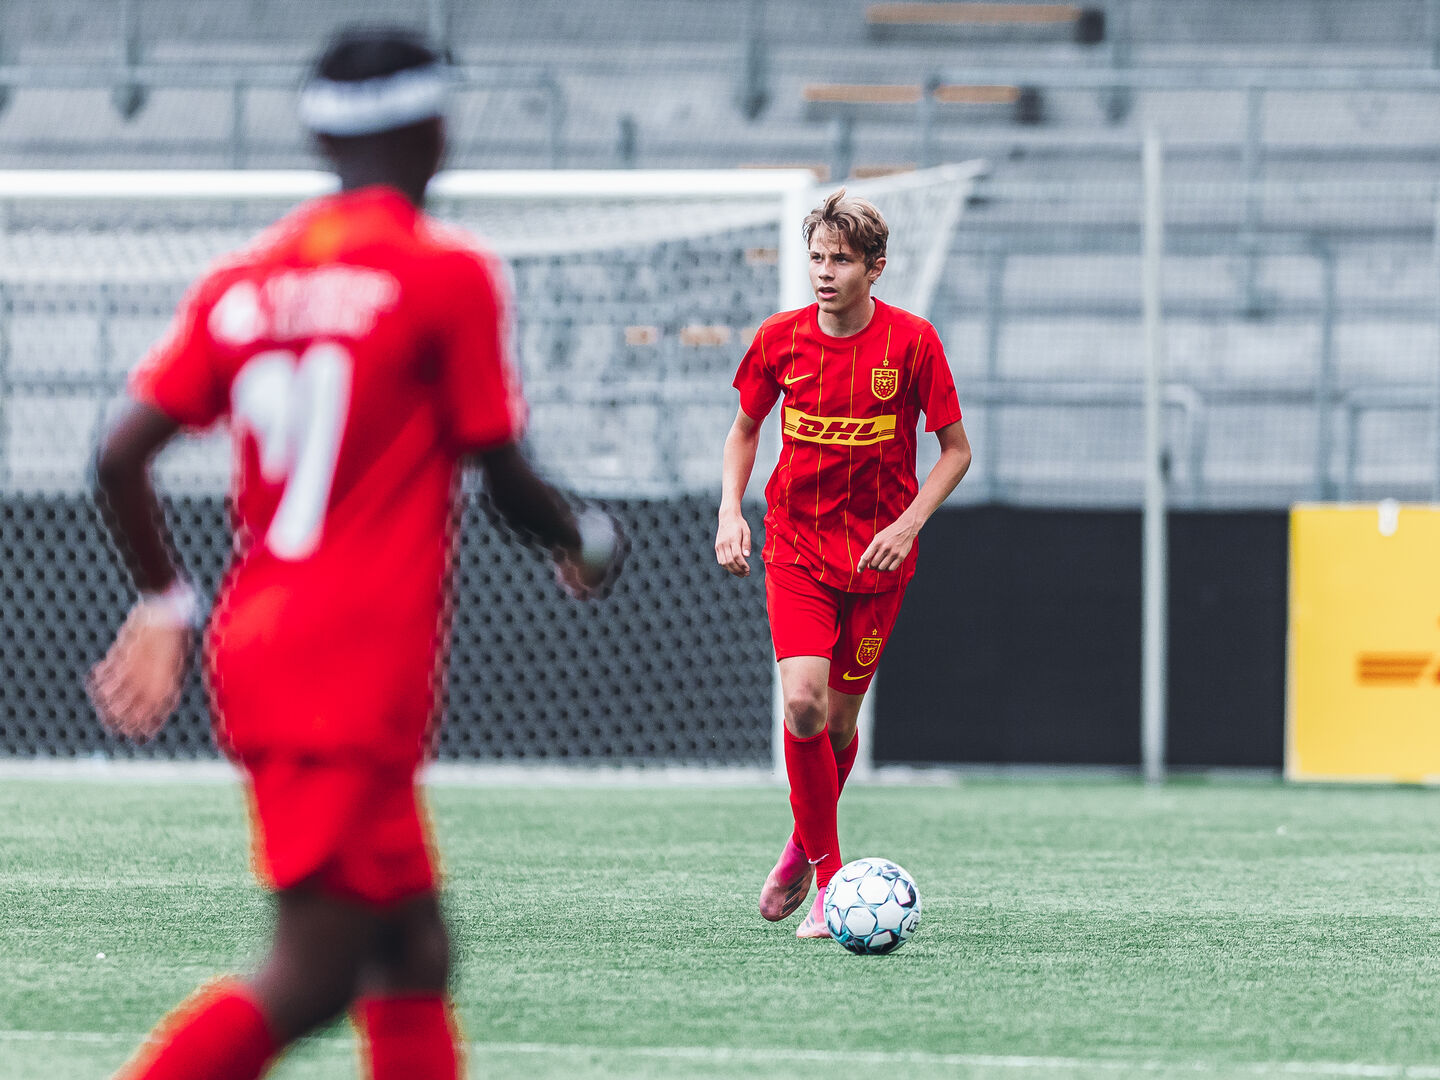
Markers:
<point>884,382</point>
<point>869,650</point>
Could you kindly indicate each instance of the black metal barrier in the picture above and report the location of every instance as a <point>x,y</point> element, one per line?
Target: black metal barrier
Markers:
<point>1019,641</point>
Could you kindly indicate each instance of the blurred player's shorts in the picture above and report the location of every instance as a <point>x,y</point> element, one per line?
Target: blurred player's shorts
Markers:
<point>350,827</point>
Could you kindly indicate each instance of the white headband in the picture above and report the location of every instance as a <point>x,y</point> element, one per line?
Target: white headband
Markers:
<point>369,106</point>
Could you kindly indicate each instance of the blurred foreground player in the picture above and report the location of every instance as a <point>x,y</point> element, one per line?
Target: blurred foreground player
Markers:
<point>843,511</point>
<point>359,354</point>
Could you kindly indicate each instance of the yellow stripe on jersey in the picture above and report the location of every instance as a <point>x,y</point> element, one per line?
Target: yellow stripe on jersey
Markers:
<point>838,430</point>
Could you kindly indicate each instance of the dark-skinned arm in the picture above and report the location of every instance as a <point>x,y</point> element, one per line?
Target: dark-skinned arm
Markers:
<point>136,686</point>
<point>588,550</point>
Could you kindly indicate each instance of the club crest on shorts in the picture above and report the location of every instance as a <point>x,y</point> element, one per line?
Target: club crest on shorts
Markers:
<point>884,381</point>
<point>869,651</point>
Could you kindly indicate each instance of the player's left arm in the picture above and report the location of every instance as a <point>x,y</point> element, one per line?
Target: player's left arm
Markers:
<point>588,547</point>
<point>137,684</point>
<point>891,545</point>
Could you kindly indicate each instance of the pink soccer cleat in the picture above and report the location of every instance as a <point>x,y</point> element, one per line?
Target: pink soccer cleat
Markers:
<point>813,925</point>
<point>788,884</point>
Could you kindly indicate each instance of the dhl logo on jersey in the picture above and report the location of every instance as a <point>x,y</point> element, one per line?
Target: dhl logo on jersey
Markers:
<point>841,430</point>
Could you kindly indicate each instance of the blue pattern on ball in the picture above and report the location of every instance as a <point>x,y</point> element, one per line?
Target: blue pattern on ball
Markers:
<point>872,906</point>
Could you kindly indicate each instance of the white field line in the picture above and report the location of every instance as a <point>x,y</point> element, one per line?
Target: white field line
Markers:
<point>718,1055</point>
<point>460,774</point>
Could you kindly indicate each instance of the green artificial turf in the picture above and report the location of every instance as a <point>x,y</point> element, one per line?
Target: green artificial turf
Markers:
<point>1070,928</point>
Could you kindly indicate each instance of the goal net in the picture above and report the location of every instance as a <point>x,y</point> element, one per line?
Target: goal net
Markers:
<point>635,295</point>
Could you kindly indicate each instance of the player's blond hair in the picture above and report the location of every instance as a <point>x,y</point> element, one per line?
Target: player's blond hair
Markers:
<point>858,222</point>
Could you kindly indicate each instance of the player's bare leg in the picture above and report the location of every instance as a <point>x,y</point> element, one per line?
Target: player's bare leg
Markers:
<point>842,721</point>
<point>232,1030</point>
<point>403,1011</point>
<point>313,970</point>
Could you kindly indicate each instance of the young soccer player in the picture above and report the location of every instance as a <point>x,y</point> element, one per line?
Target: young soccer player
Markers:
<point>843,511</point>
<point>359,353</point>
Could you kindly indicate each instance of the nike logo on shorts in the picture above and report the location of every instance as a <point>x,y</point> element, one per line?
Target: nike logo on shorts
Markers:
<point>856,678</point>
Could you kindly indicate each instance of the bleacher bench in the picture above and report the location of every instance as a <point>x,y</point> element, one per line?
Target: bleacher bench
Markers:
<point>825,100</point>
<point>1087,23</point>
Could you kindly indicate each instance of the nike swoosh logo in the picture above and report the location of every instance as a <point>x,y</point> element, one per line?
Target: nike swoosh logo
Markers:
<point>796,378</point>
<point>856,678</point>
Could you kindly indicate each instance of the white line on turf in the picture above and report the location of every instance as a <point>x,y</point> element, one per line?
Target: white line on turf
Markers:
<point>721,1054</point>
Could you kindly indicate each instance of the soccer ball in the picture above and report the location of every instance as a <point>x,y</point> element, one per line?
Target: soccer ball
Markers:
<point>872,906</point>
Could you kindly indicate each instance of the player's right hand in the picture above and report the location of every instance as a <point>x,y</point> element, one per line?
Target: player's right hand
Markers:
<point>136,687</point>
<point>732,544</point>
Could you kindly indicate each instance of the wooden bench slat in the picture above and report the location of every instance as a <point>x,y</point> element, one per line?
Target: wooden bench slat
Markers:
<point>971,13</point>
<point>869,94</point>
<point>977,95</point>
<point>859,94</point>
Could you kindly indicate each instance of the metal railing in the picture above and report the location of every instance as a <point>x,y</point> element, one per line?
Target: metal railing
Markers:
<point>131,84</point>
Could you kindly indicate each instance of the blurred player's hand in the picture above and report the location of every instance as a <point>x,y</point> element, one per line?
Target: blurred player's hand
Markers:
<point>591,570</point>
<point>888,550</point>
<point>732,544</point>
<point>136,687</point>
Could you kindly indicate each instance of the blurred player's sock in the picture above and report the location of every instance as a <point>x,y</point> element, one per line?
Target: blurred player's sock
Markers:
<point>814,791</point>
<point>813,925</point>
<point>218,1034</point>
<point>408,1037</point>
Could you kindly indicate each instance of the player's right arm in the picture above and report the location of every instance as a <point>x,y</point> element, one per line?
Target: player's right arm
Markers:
<point>732,537</point>
<point>759,390</point>
<point>137,684</point>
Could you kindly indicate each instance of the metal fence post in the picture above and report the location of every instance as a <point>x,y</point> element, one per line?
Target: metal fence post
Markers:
<point>926,155</point>
<point>129,97</point>
<point>752,94</point>
<point>1325,381</point>
<point>439,25</point>
<point>1154,542</point>
<point>1435,398</point>
<point>1116,101</point>
<point>1432,30</point>
<point>237,126</point>
<point>556,94</point>
<point>842,145</point>
<point>1251,161</point>
<point>994,319</point>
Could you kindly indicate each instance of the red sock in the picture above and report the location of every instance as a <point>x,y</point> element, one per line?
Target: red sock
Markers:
<point>814,791</point>
<point>218,1034</point>
<point>844,762</point>
<point>408,1037</point>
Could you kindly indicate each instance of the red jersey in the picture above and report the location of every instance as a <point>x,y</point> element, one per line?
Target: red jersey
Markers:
<point>358,352</point>
<point>847,459</point>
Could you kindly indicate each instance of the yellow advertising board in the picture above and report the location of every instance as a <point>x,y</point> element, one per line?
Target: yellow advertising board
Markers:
<point>1364,679</point>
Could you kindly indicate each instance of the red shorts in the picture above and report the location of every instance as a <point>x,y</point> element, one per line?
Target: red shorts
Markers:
<point>849,629</point>
<point>353,828</point>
